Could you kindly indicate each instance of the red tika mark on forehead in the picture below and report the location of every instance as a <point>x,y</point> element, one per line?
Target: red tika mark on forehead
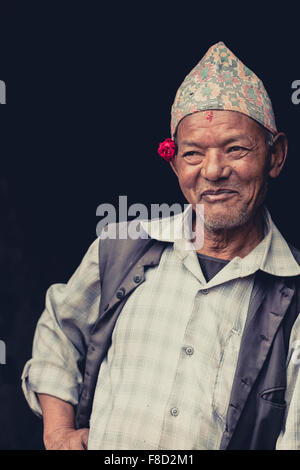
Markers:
<point>209,115</point>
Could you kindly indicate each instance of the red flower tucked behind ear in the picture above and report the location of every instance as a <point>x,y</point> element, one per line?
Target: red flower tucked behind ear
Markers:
<point>166,149</point>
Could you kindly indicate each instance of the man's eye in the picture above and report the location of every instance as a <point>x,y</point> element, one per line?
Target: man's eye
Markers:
<point>236,148</point>
<point>188,154</point>
<point>192,157</point>
<point>193,154</point>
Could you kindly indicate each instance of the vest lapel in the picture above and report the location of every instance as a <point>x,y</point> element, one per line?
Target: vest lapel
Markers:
<point>120,280</point>
<point>128,275</point>
<point>269,302</point>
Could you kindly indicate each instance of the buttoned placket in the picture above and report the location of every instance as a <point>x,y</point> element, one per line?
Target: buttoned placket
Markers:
<point>176,406</point>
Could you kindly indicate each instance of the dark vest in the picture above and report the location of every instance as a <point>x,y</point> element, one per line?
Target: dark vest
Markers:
<point>257,406</point>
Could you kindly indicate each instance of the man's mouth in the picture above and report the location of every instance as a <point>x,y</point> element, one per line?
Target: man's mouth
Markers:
<point>219,195</point>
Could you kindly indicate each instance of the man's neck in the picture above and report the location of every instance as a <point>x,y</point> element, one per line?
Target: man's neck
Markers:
<point>238,241</point>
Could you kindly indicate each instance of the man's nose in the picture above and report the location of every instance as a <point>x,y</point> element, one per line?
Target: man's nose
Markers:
<point>215,166</point>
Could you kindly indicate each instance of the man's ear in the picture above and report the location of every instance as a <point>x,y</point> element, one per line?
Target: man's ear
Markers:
<point>173,166</point>
<point>278,154</point>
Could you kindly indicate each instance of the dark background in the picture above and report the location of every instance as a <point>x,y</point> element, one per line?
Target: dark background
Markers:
<point>89,92</point>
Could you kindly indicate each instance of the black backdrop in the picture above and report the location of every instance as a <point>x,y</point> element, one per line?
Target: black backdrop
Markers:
<point>89,91</point>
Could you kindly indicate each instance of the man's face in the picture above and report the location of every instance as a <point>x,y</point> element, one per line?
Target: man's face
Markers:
<point>222,162</point>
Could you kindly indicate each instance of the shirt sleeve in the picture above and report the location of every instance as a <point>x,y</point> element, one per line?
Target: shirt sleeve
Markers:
<point>289,438</point>
<point>61,335</point>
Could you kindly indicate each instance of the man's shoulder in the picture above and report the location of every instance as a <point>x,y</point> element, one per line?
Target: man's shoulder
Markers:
<point>122,231</point>
<point>121,241</point>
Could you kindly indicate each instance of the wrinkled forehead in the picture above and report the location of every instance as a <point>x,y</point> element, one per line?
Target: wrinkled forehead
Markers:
<point>218,123</point>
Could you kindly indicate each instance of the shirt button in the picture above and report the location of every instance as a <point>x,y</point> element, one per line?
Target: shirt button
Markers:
<point>204,291</point>
<point>121,293</point>
<point>174,411</point>
<point>137,279</point>
<point>189,350</point>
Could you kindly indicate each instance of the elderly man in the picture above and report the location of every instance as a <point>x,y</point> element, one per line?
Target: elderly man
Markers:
<point>190,348</point>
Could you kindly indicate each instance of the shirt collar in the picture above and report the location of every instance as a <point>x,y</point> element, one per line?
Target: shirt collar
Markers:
<point>272,255</point>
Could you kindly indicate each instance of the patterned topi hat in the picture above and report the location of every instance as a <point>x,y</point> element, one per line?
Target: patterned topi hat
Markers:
<point>221,81</point>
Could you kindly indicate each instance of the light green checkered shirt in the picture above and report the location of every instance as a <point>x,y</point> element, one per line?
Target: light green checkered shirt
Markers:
<point>167,378</point>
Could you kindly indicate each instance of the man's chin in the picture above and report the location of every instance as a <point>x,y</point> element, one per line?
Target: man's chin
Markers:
<point>220,221</point>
